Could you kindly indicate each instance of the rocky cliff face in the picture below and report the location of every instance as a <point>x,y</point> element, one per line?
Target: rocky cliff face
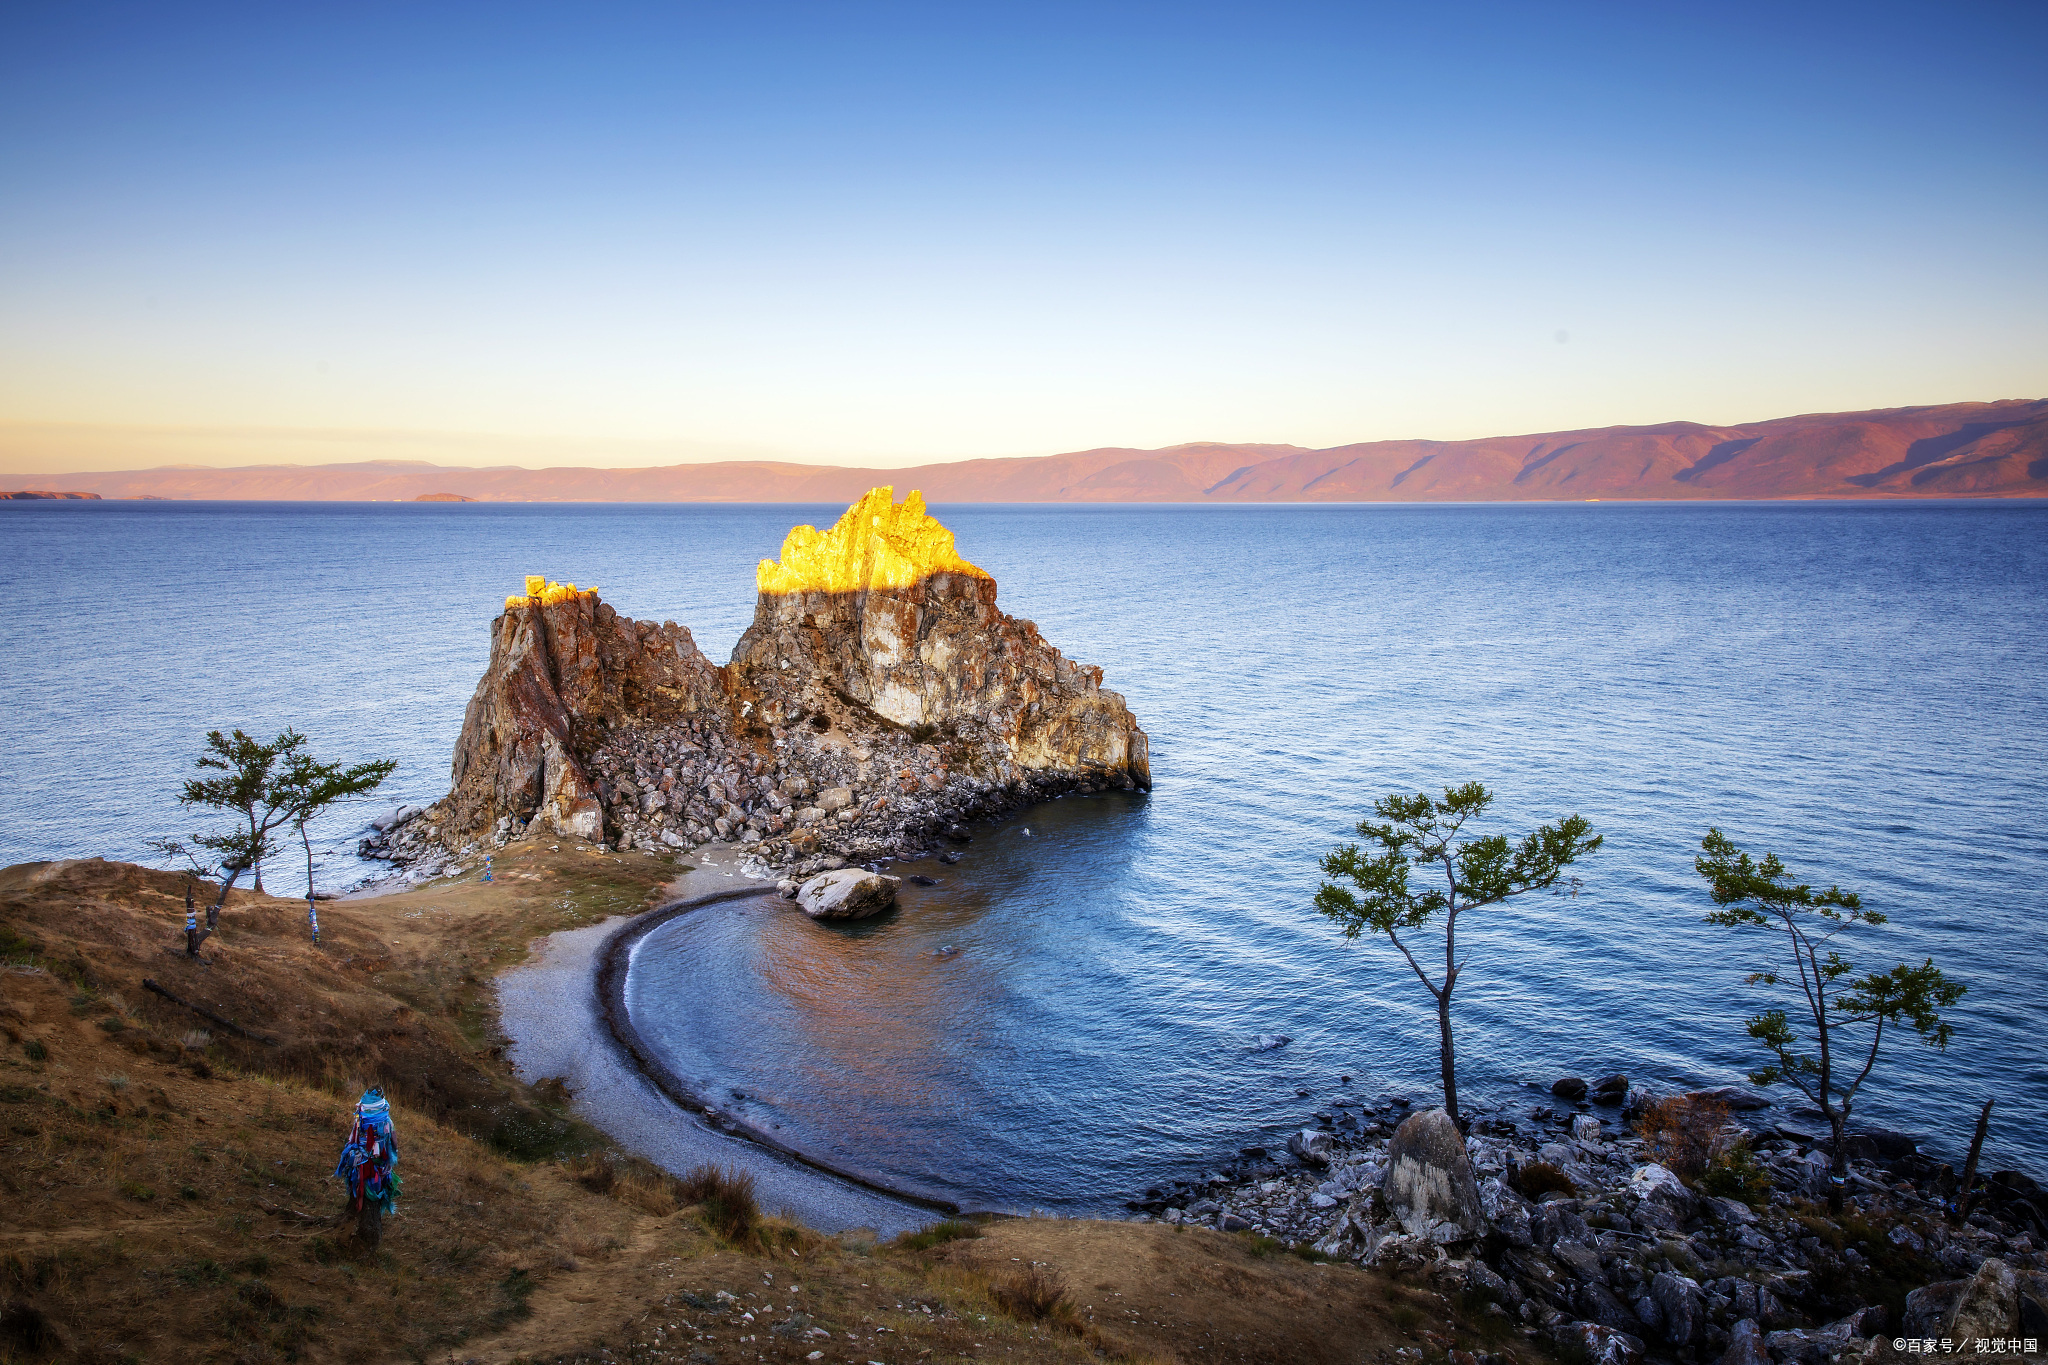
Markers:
<point>879,699</point>
<point>878,625</point>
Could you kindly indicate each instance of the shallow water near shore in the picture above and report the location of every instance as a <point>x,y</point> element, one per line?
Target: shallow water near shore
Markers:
<point>1862,688</point>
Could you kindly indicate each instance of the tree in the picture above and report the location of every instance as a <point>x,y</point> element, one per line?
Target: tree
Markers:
<point>1420,831</point>
<point>250,789</point>
<point>269,786</point>
<point>1831,999</point>
<point>309,787</point>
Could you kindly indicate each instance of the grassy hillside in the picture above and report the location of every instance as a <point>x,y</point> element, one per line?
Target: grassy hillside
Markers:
<point>167,1176</point>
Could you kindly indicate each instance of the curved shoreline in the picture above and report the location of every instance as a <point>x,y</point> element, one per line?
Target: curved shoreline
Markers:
<point>614,962</point>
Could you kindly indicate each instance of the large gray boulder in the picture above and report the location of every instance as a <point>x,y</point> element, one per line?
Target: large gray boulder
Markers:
<point>848,893</point>
<point>1429,1176</point>
<point>1990,1307</point>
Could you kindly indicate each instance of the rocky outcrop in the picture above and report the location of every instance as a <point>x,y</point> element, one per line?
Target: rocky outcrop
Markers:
<point>1634,1262</point>
<point>879,700</point>
<point>566,671</point>
<point>877,626</point>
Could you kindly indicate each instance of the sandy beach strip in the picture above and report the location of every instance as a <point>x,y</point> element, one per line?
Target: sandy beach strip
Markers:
<point>550,1009</point>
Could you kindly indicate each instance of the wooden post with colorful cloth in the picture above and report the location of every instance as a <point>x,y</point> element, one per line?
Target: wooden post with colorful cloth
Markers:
<point>368,1165</point>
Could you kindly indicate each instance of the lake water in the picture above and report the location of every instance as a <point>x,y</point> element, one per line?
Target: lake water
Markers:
<point>1861,688</point>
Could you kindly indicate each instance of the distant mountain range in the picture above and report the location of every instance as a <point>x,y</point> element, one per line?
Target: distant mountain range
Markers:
<point>1968,450</point>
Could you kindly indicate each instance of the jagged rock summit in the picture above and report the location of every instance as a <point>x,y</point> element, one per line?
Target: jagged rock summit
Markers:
<point>878,699</point>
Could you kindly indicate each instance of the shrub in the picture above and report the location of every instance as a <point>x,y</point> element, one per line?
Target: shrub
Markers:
<point>726,1198</point>
<point>1032,1294</point>
<point>24,1328</point>
<point>938,1234</point>
<point>1538,1178</point>
<point>1735,1174</point>
<point>1684,1133</point>
<point>36,1049</point>
<point>629,1180</point>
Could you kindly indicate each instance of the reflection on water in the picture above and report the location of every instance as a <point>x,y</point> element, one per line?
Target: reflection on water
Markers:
<point>946,1046</point>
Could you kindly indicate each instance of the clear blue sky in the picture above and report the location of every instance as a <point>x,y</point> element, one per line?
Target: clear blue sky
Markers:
<point>630,234</point>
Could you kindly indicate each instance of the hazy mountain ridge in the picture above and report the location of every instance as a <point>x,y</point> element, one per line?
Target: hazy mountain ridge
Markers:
<point>1995,449</point>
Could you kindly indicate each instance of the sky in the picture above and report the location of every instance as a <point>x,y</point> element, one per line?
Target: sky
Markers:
<point>851,233</point>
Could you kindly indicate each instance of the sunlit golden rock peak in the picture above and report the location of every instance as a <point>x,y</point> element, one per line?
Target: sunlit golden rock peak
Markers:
<point>539,588</point>
<point>879,543</point>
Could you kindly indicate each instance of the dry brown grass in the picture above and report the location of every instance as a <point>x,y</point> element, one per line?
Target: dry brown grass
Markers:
<point>726,1197</point>
<point>1032,1293</point>
<point>1684,1133</point>
<point>170,1199</point>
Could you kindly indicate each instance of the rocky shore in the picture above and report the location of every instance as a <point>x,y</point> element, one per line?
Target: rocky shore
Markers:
<point>879,702</point>
<point>1560,1218</point>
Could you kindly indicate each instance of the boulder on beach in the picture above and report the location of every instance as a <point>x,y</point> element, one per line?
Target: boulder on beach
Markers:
<point>1311,1146</point>
<point>848,893</point>
<point>1429,1175</point>
<point>1569,1088</point>
<point>1734,1096</point>
<point>1610,1089</point>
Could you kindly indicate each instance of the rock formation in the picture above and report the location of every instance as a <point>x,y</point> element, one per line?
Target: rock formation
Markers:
<point>879,698</point>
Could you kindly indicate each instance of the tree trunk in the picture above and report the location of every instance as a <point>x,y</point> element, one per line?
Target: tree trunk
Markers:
<point>370,1223</point>
<point>1838,1165</point>
<point>213,911</point>
<point>1450,1058</point>
<point>312,915</point>
<point>1966,1196</point>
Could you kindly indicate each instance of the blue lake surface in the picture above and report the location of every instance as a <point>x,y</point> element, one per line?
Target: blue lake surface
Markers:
<point>1861,688</point>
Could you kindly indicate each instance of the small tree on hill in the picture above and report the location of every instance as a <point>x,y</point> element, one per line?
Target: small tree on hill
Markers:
<point>249,787</point>
<point>1825,1065</point>
<point>309,787</point>
<point>269,787</point>
<point>1420,831</point>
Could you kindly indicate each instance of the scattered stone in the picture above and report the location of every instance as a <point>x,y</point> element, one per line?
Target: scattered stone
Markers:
<point>1311,1146</point>
<point>1569,1088</point>
<point>1599,1345</point>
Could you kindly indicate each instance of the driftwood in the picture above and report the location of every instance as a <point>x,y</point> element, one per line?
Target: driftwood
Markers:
<point>149,984</point>
<point>293,1215</point>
